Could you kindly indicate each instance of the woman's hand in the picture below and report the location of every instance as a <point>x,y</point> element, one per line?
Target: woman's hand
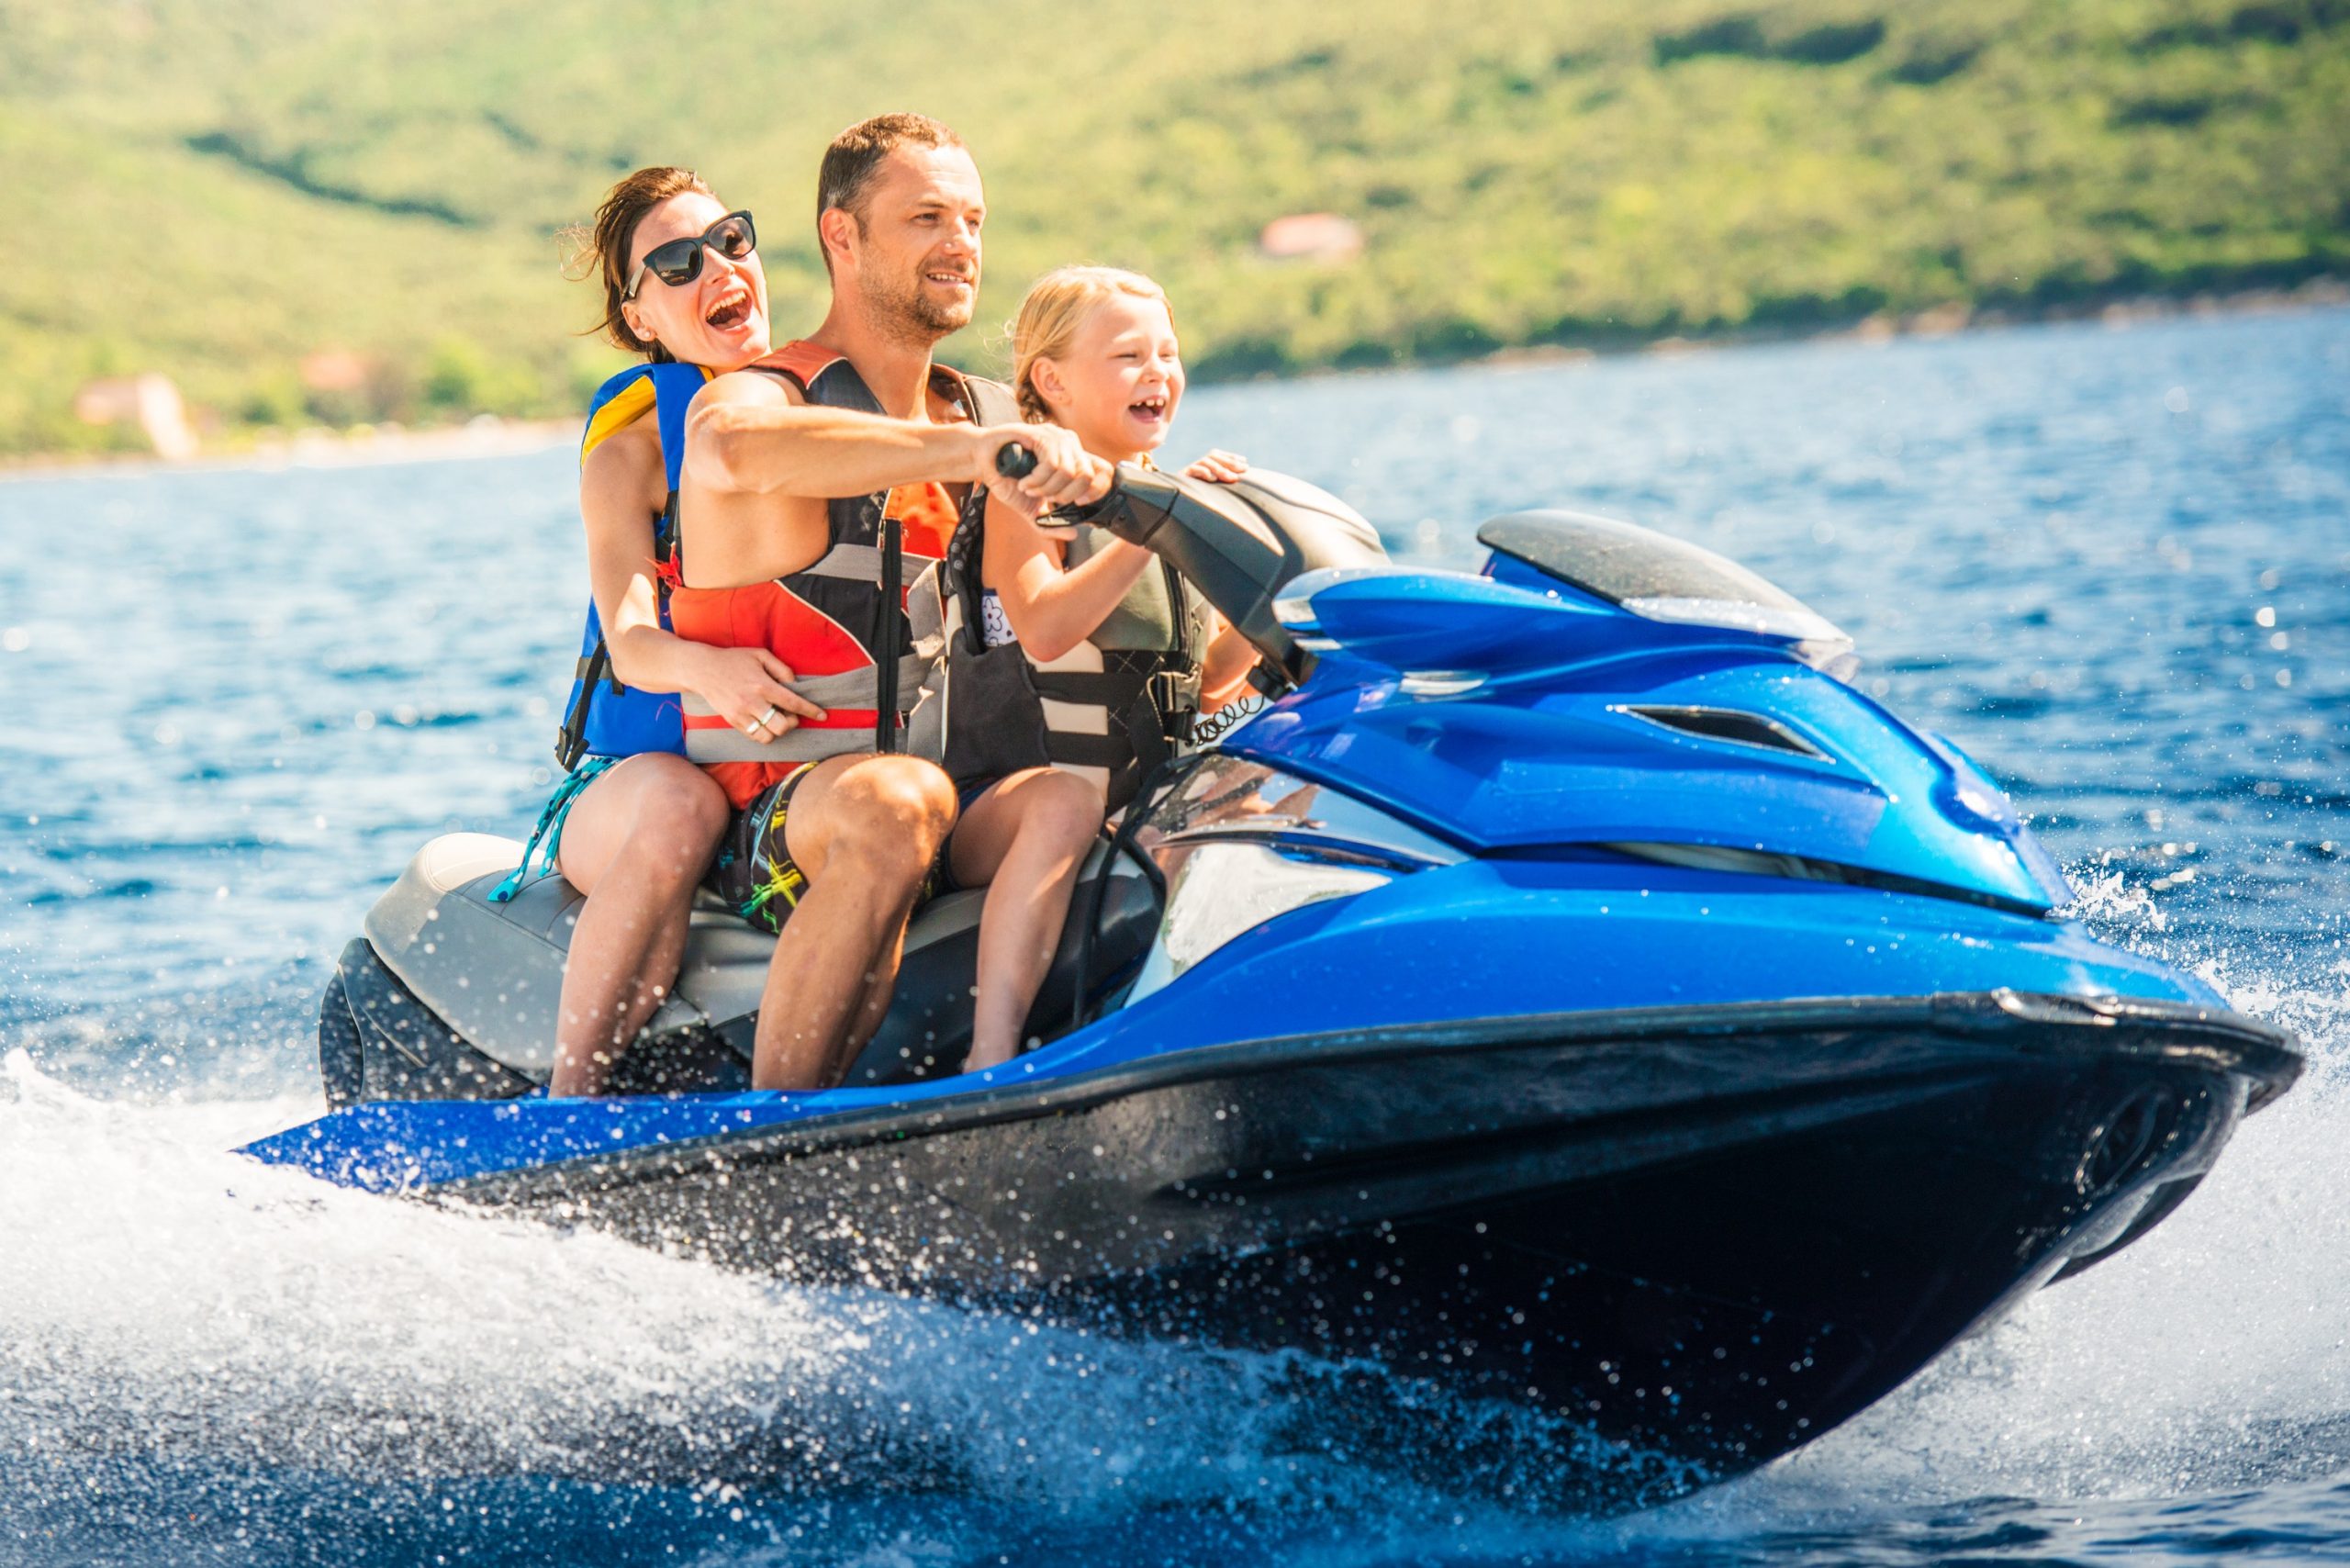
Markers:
<point>1217,467</point>
<point>752,689</point>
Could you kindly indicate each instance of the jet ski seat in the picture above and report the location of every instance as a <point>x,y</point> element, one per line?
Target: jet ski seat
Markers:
<point>450,995</point>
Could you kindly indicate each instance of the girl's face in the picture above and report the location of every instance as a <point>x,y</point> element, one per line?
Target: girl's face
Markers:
<point>1118,386</point>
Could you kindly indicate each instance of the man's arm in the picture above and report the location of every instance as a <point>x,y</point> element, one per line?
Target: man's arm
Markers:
<point>751,433</point>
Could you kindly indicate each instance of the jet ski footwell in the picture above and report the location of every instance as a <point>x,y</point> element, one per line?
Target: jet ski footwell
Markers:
<point>1711,1232</point>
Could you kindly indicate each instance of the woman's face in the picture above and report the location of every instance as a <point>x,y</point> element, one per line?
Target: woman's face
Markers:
<point>720,318</point>
<point>1119,384</point>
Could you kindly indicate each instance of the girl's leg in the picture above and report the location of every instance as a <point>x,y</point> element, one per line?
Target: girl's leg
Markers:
<point>636,843</point>
<point>1025,838</point>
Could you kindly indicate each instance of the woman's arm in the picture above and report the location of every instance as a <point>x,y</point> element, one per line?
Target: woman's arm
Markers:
<point>620,485</point>
<point>1052,610</point>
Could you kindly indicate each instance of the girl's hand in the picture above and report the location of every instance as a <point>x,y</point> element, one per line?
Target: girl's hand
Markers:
<point>751,688</point>
<point>1218,467</point>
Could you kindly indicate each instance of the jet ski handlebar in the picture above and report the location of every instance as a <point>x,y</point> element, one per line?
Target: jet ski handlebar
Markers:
<point>1015,461</point>
<point>1239,544</point>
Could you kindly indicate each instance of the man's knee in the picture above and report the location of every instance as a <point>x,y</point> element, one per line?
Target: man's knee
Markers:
<point>893,808</point>
<point>902,794</point>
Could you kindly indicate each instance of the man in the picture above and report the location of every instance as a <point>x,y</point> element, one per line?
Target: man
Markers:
<point>814,486</point>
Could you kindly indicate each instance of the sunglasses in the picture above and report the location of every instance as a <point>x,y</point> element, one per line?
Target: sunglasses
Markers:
<point>678,262</point>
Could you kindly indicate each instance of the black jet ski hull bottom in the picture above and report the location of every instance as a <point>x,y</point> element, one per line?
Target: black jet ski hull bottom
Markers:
<point>1711,1234</point>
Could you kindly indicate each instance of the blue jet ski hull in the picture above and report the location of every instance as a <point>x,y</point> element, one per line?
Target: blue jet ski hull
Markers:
<point>1711,1233</point>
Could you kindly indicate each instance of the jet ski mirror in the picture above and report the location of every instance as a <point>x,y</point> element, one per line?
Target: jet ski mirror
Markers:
<point>1240,543</point>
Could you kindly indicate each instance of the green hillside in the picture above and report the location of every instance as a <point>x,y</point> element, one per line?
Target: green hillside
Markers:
<point>216,188</point>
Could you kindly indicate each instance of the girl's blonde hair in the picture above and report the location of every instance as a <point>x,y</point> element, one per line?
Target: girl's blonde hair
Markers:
<point>1049,318</point>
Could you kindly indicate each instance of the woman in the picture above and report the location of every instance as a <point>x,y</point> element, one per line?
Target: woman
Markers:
<point>681,284</point>
<point>1075,655</point>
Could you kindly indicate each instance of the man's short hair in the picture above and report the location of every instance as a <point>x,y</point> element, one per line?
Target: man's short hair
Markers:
<point>845,177</point>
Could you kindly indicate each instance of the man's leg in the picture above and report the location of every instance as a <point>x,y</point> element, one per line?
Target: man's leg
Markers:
<point>865,831</point>
<point>636,843</point>
<point>1026,839</point>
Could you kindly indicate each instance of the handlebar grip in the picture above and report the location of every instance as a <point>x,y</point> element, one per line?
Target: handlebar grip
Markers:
<point>1090,513</point>
<point>1015,461</point>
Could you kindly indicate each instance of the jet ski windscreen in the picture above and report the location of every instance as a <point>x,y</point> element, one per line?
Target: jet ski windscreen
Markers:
<point>1618,561</point>
<point>1241,544</point>
<point>1660,578</point>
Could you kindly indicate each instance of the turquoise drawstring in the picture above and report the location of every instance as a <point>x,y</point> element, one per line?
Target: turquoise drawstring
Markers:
<point>549,830</point>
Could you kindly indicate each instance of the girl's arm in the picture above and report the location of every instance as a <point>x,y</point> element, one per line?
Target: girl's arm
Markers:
<point>620,485</point>
<point>1052,610</point>
<point>1223,672</point>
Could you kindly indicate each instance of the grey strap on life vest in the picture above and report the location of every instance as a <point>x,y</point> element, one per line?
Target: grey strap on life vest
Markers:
<point>851,690</point>
<point>731,745</point>
<point>852,563</point>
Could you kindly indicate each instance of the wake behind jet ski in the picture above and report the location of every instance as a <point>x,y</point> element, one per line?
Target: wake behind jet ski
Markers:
<point>1571,992</point>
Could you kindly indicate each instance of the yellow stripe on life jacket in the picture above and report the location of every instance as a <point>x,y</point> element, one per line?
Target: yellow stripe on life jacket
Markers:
<point>630,404</point>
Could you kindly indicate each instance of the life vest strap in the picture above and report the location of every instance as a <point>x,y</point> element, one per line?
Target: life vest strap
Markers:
<point>1070,750</point>
<point>849,688</point>
<point>1114,690</point>
<point>858,687</point>
<point>857,563</point>
<point>725,743</point>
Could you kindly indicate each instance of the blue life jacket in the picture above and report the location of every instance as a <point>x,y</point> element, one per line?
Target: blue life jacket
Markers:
<point>603,717</point>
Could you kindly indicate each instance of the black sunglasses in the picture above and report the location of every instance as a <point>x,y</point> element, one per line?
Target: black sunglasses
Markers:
<point>678,262</point>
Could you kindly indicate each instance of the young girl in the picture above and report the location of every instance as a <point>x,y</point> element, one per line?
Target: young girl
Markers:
<point>1079,650</point>
<point>1075,655</point>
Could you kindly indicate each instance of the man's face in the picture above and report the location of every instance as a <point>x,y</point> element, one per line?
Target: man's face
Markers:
<point>917,251</point>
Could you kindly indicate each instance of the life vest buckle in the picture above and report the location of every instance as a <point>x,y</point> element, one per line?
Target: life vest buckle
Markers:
<point>1174,695</point>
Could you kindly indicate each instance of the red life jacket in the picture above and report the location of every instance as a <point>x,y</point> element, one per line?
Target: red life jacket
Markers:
<point>860,626</point>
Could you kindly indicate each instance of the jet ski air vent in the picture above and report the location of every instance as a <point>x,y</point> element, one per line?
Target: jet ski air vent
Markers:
<point>1727,724</point>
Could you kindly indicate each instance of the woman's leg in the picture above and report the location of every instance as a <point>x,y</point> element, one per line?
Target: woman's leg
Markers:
<point>636,843</point>
<point>1026,839</point>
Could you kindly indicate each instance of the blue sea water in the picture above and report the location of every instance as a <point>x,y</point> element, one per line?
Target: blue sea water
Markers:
<point>2114,564</point>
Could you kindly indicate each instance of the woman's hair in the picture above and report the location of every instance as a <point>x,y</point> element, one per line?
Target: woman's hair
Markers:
<point>1050,317</point>
<point>603,248</point>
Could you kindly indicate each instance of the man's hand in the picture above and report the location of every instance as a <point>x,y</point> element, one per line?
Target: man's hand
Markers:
<point>751,688</point>
<point>1218,467</point>
<point>1066,473</point>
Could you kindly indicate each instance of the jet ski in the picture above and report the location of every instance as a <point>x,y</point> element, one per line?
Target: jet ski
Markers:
<point>1569,991</point>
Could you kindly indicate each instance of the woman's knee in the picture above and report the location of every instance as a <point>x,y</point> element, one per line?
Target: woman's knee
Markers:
<point>680,811</point>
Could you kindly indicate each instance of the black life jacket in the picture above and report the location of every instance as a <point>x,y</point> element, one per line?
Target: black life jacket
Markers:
<point>1111,708</point>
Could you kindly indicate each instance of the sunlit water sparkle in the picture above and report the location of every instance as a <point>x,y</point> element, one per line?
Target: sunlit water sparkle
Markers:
<point>2110,565</point>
